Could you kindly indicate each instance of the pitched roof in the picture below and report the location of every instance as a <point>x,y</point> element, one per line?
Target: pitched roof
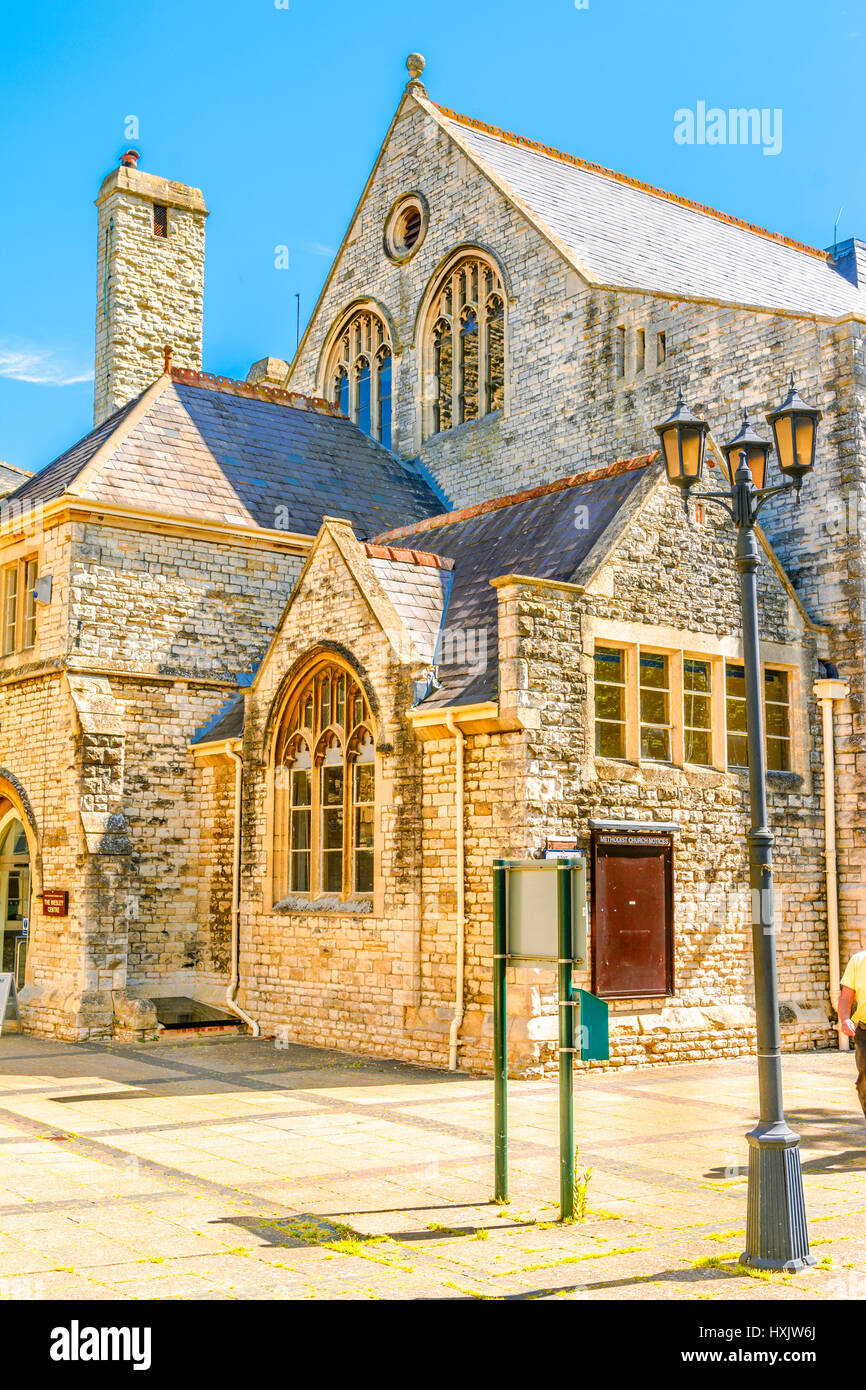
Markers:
<point>417,583</point>
<point>544,532</point>
<point>11,477</point>
<point>228,722</point>
<point>53,480</point>
<point>627,234</point>
<point>223,451</point>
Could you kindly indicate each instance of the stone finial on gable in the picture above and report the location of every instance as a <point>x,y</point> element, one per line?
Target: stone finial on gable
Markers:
<point>415,65</point>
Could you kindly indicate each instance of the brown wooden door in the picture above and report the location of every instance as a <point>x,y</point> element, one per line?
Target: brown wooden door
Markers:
<point>632,916</point>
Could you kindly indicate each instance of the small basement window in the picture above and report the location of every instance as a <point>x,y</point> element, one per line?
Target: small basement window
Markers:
<point>160,220</point>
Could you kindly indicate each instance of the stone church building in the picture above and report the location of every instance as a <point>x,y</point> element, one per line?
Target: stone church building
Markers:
<point>288,662</point>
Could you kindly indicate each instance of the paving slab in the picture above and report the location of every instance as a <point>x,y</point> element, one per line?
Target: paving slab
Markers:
<point>233,1169</point>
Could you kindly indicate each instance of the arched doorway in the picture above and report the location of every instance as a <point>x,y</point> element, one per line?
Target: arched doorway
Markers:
<point>14,894</point>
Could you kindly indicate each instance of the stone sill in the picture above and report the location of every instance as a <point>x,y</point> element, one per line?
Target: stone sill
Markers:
<point>324,907</point>
<point>608,767</point>
<point>456,430</point>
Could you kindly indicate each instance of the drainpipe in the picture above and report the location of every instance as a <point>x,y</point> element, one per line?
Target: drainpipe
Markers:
<point>459,1006</point>
<point>232,989</point>
<point>828,691</point>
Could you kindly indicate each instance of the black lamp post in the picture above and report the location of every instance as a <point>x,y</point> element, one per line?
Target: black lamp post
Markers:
<point>776,1234</point>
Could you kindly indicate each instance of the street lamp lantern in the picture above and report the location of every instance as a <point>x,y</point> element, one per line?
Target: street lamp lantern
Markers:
<point>795,430</point>
<point>776,1231</point>
<point>683,437</point>
<point>757,453</point>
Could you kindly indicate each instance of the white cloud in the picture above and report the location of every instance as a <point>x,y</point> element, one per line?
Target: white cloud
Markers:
<point>317,248</point>
<point>25,363</point>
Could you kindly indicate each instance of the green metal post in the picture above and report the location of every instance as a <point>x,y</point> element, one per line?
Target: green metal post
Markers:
<point>500,1022</point>
<point>566,1041</point>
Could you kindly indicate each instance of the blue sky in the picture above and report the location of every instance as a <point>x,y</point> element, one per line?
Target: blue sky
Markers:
<point>277,114</point>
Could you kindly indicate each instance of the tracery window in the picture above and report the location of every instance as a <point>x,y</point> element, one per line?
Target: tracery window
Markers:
<point>324,788</point>
<point>467,339</point>
<point>359,375</point>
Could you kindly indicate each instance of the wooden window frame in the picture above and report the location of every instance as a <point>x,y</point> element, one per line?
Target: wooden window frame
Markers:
<point>712,700</point>
<point>672,690</point>
<point>793,739</point>
<point>24,623</point>
<point>350,738</point>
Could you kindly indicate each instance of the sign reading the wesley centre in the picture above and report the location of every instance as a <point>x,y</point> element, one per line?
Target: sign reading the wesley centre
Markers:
<point>55,902</point>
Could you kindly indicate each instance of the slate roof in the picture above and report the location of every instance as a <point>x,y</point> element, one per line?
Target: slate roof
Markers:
<point>418,585</point>
<point>537,533</point>
<point>224,451</point>
<point>53,480</point>
<point>630,235</point>
<point>11,477</point>
<point>228,722</point>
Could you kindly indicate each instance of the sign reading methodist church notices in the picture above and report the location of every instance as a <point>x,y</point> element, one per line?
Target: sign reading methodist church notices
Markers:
<point>632,910</point>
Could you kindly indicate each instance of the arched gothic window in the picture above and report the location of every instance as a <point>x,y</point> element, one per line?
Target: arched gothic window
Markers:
<point>467,339</point>
<point>359,375</point>
<point>324,788</point>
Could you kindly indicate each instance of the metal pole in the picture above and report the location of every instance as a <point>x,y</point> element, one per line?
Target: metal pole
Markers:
<point>500,1039</point>
<point>776,1232</point>
<point>566,1041</point>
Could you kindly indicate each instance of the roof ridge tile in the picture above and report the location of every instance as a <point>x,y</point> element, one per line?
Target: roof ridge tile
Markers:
<point>407,557</point>
<point>230,387</point>
<point>495,504</point>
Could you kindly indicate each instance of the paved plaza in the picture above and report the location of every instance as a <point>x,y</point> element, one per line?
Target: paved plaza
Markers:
<point>233,1169</point>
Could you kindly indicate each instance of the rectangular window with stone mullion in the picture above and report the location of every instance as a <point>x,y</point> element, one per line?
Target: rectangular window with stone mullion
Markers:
<point>609,702</point>
<point>777,718</point>
<point>655,725</point>
<point>697,711</point>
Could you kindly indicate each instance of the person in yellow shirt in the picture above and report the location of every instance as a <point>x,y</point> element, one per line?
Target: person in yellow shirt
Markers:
<point>852,1015</point>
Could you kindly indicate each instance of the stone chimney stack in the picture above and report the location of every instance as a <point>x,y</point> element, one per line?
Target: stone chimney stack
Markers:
<point>150,282</point>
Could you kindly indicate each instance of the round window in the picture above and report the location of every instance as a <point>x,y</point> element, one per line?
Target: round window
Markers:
<point>406,228</point>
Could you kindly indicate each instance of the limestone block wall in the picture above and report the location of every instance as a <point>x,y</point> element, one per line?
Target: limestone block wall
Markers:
<point>568,407</point>
<point>494,828</point>
<point>158,898</point>
<point>156,601</point>
<point>40,774</point>
<point>49,541</point>
<point>337,978</point>
<point>141,646</point>
<point>214,795</point>
<point>567,786</point>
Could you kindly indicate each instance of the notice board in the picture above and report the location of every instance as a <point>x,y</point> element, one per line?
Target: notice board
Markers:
<point>632,913</point>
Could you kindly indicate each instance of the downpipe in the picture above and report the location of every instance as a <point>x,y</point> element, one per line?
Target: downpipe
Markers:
<point>234,981</point>
<point>827,692</point>
<point>459,995</point>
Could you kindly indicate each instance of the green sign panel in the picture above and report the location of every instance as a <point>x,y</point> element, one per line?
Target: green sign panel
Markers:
<point>593,1034</point>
